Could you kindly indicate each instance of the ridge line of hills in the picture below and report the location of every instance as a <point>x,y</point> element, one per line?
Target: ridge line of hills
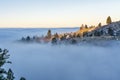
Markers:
<point>111,31</point>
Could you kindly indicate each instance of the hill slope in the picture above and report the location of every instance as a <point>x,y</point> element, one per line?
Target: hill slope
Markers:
<point>112,29</point>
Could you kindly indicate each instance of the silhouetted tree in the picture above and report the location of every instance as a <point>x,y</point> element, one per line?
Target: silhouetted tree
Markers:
<point>5,75</point>
<point>23,39</point>
<point>108,21</point>
<point>63,38</point>
<point>101,32</point>
<point>74,35</point>
<point>81,27</point>
<point>73,41</point>
<point>86,26</point>
<point>49,34</point>
<point>78,36</point>
<point>110,32</point>
<point>34,37</point>
<point>85,34</point>
<point>54,40</point>
<point>28,38</point>
<point>22,78</point>
<point>56,35</point>
<point>10,75</point>
<point>97,33</point>
<point>99,25</point>
<point>3,59</point>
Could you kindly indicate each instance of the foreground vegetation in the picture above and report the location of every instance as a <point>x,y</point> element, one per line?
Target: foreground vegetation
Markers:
<point>4,74</point>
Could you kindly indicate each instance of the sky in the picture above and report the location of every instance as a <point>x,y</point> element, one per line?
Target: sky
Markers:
<point>56,13</point>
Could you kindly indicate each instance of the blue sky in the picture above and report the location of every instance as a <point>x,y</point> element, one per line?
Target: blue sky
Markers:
<point>57,13</point>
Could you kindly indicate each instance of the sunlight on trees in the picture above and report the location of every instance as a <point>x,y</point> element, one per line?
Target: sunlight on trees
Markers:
<point>108,21</point>
<point>49,34</point>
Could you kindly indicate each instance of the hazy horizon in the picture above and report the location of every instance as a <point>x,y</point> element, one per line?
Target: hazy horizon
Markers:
<point>56,13</point>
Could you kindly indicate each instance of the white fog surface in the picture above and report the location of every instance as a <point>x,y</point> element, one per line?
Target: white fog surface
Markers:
<point>36,61</point>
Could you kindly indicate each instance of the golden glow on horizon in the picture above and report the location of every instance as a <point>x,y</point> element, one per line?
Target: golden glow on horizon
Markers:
<point>47,22</point>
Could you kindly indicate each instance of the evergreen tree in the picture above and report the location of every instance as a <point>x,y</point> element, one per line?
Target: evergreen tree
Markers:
<point>97,33</point>
<point>82,26</point>
<point>99,25</point>
<point>23,39</point>
<point>86,26</point>
<point>22,78</point>
<point>10,75</point>
<point>110,32</point>
<point>62,38</point>
<point>28,38</point>
<point>85,34</point>
<point>108,21</point>
<point>101,32</point>
<point>78,36</point>
<point>74,35</point>
<point>56,35</point>
<point>5,75</point>
<point>73,41</point>
<point>54,41</point>
<point>3,59</point>
<point>49,34</point>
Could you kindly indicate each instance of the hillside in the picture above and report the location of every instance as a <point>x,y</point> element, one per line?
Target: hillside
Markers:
<point>112,29</point>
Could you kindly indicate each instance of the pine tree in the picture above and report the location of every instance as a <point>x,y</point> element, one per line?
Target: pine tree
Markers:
<point>78,36</point>
<point>73,41</point>
<point>74,35</point>
<point>5,75</point>
<point>85,34</point>
<point>54,41</point>
<point>22,78</point>
<point>108,21</point>
<point>56,35</point>
<point>3,59</point>
<point>110,32</point>
<point>99,25</point>
<point>86,26</point>
<point>10,75</point>
<point>82,26</point>
<point>28,38</point>
<point>49,34</point>
<point>97,33</point>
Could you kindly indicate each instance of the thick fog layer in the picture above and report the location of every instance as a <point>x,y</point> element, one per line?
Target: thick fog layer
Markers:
<point>60,62</point>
